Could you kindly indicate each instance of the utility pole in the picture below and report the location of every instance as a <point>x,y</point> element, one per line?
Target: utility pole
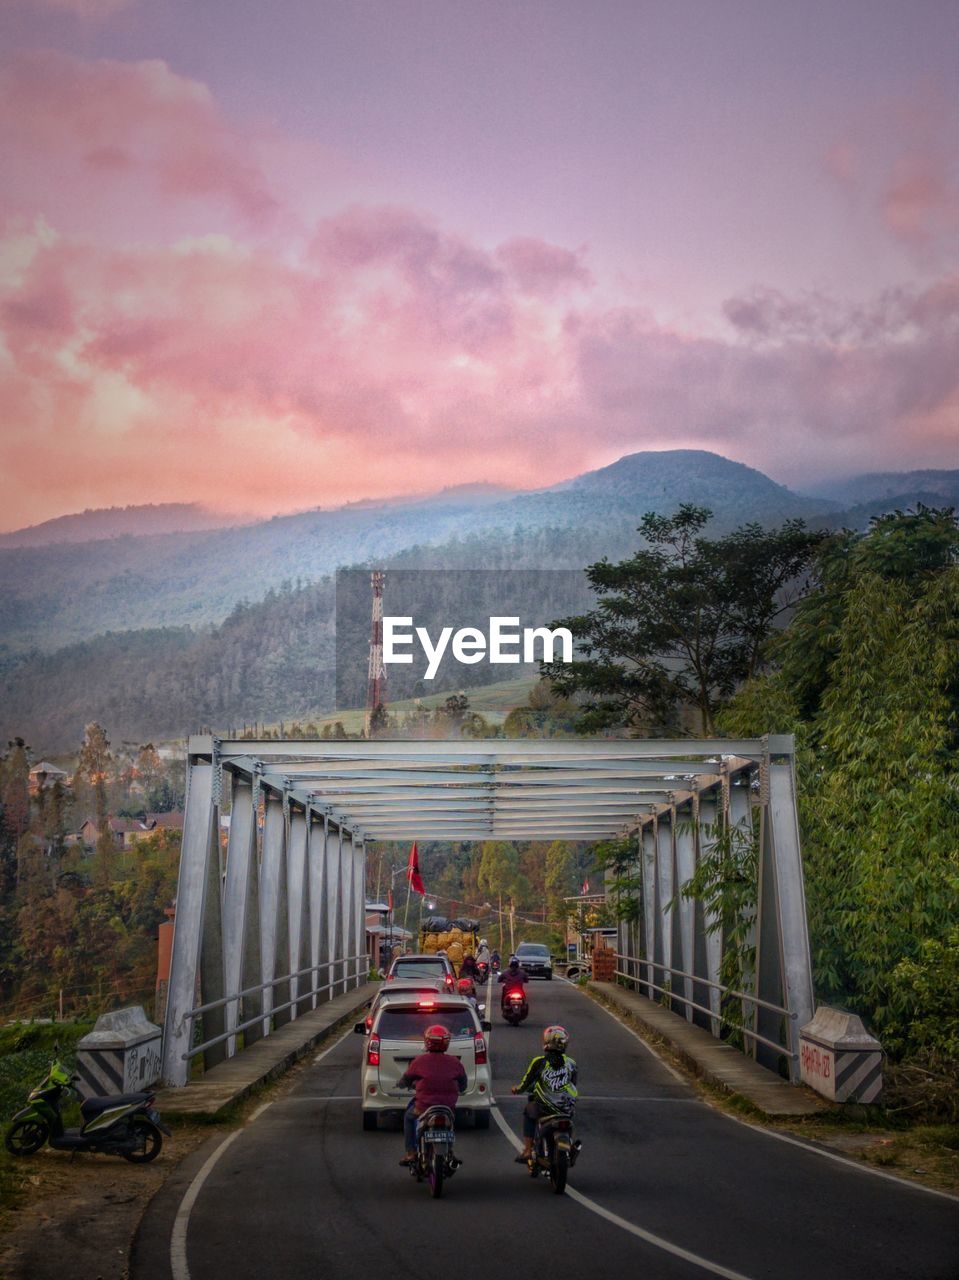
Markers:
<point>376,677</point>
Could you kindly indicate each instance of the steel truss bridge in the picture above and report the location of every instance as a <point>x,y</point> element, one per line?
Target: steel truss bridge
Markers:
<point>280,928</point>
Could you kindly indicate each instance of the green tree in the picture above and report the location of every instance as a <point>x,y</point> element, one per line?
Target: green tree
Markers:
<point>867,676</point>
<point>94,765</point>
<point>683,622</point>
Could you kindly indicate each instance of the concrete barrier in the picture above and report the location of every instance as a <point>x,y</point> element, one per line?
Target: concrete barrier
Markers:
<point>839,1058</point>
<point>120,1055</point>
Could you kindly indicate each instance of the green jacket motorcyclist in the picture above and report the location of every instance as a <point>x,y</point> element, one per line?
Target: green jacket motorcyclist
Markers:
<point>550,1081</point>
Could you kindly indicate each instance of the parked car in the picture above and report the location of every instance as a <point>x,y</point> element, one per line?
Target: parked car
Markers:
<point>535,959</point>
<point>422,967</point>
<point>396,1038</point>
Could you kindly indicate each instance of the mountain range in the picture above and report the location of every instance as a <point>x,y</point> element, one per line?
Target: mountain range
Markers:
<point>156,633</point>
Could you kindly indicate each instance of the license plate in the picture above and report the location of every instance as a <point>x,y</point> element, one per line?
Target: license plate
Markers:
<point>438,1136</point>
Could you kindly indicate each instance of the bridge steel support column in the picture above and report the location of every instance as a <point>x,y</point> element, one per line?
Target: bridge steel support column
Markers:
<point>359,910</point>
<point>685,852</point>
<point>240,903</point>
<point>665,885</point>
<point>349,945</point>
<point>319,921</point>
<point>274,927</point>
<point>299,912</point>
<point>739,819</point>
<point>709,935</point>
<point>198,855</point>
<point>333,898</point>
<point>648,867</point>
<point>784,968</point>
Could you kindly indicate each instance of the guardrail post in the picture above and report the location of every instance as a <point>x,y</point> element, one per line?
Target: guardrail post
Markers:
<point>739,816</point>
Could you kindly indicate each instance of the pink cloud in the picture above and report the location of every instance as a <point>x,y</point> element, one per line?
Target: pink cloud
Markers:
<point>542,269</point>
<point>904,162</point>
<point>81,8</point>
<point>220,371</point>
<point>102,143</point>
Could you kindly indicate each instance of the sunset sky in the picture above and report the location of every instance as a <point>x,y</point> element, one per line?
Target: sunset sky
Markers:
<point>273,256</point>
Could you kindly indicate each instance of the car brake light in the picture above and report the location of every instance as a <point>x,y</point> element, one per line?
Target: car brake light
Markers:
<point>373,1052</point>
<point>427,1004</point>
<point>449,980</point>
<point>479,1046</point>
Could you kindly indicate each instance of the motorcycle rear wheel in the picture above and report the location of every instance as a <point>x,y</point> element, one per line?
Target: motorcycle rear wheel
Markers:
<point>558,1169</point>
<point>25,1137</point>
<point>437,1165</point>
<point>150,1139</point>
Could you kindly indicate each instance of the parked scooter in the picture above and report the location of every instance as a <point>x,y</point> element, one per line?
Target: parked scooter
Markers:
<point>554,1150</point>
<point>515,1006</point>
<point>435,1161</point>
<point>124,1125</point>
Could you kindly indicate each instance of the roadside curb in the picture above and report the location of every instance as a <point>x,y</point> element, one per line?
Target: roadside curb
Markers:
<point>231,1082</point>
<point>713,1061</point>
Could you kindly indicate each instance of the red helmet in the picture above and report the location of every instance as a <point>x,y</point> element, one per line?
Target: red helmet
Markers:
<point>436,1038</point>
<point>465,987</point>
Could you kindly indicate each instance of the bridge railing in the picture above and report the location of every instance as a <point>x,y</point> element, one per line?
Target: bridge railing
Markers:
<point>360,965</point>
<point>637,962</point>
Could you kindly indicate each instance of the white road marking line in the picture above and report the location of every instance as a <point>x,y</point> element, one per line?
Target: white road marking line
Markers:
<point>181,1224</point>
<point>624,1097</point>
<point>834,1155</point>
<point>657,1241</point>
<point>648,1047</point>
<point>178,1262</point>
<point>785,1137</point>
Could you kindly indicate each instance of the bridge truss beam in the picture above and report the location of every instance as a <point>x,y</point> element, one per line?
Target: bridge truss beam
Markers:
<point>284,928</point>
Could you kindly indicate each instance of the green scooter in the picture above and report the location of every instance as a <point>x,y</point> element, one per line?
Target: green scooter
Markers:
<point>124,1125</point>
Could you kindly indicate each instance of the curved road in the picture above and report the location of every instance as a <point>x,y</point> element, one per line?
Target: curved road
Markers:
<point>667,1188</point>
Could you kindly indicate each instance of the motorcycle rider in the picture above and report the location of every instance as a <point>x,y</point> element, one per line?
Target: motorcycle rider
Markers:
<point>469,967</point>
<point>482,952</point>
<point>513,978</point>
<point>439,1078</point>
<point>550,1082</point>
<point>466,987</point>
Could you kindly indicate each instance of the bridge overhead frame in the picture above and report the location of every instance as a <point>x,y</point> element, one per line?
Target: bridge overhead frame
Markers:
<point>282,928</point>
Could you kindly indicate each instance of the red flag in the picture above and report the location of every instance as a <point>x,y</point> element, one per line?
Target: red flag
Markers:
<point>585,888</point>
<point>413,871</point>
<point>390,899</point>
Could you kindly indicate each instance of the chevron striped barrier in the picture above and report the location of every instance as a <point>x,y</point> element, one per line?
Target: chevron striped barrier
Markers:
<point>839,1058</point>
<point>120,1055</point>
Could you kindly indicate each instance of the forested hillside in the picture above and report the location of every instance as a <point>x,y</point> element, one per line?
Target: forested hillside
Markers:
<point>55,595</point>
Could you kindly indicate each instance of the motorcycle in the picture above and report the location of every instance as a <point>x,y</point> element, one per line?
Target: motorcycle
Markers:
<point>554,1150</point>
<point>124,1125</point>
<point>435,1160</point>
<point>515,1007</point>
<point>482,972</point>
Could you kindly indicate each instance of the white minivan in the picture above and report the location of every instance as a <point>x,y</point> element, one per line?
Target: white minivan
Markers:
<point>396,1038</point>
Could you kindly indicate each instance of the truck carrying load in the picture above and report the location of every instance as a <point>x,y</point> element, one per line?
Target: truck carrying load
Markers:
<point>452,938</point>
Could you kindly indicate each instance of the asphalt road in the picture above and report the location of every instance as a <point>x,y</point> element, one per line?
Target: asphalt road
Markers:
<point>667,1188</point>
